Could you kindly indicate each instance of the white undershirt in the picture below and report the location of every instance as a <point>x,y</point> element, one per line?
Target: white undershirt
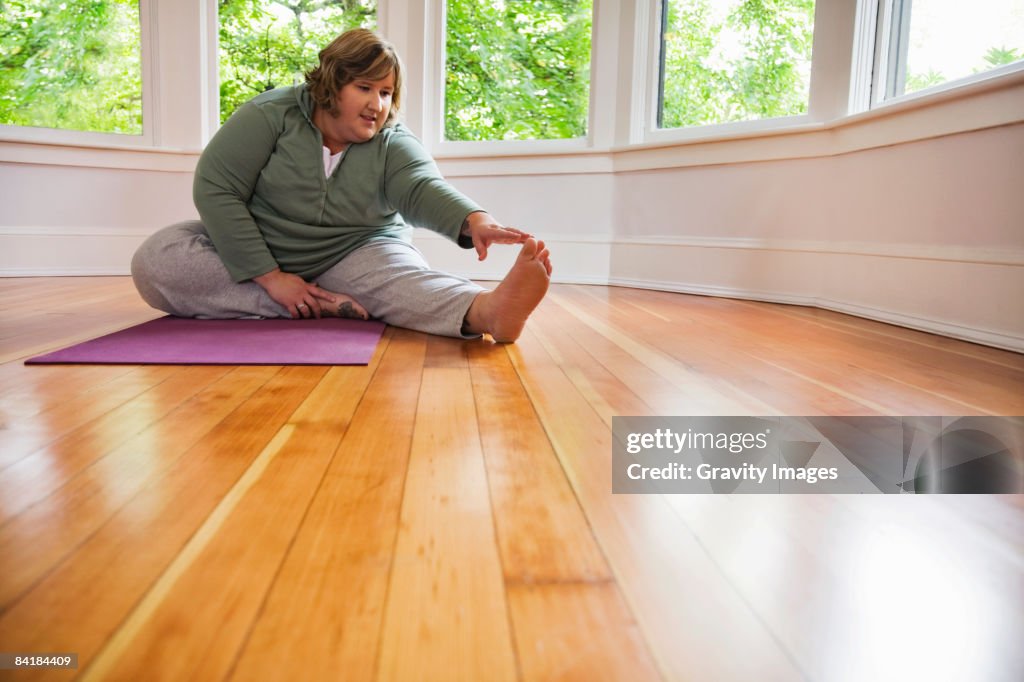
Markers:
<point>331,161</point>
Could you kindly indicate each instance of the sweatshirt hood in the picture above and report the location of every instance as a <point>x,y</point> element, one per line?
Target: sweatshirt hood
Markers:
<point>305,101</point>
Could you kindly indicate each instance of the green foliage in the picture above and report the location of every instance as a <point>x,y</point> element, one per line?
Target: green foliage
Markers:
<point>998,56</point>
<point>267,44</point>
<point>71,64</point>
<point>517,69</point>
<point>750,62</point>
<point>920,81</point>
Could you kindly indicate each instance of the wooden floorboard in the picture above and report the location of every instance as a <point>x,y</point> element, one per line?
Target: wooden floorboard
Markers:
<point>325,610</point>
<point>446,511</point>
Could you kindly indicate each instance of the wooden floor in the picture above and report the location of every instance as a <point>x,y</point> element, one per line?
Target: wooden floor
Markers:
<point>446,512</point>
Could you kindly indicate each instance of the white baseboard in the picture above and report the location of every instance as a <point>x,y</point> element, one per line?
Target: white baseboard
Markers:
<point>961,292</point>
<point>988,338</point>
<point>56,271</point>
<point>940,252</point>
<point>79,251</point>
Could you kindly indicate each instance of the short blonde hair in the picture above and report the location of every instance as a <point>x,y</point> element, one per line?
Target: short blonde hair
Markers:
<point>354,55</point>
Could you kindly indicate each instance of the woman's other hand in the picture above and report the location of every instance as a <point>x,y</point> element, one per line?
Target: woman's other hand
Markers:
<point>484,230</point>
<point>299,297</point>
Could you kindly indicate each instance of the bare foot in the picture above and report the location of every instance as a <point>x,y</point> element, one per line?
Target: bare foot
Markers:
<point>502,313</point>
<point>341,305</point>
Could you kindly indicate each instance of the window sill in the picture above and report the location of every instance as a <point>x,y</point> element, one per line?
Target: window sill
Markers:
<point>15,148</point>
<point>74,138</point>
<point>510,148</point>
<point>994,79</point>
<point>992,100</point>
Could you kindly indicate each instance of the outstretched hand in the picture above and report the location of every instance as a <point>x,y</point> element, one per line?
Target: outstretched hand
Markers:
<point>484,230</point>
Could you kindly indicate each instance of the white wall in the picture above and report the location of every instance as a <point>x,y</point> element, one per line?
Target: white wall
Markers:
<point>573,213</point>
<point>910,214</point>
<point>925,233</point>
<point>66,220</point>
<point>913,215</point>
<point>929,234</point>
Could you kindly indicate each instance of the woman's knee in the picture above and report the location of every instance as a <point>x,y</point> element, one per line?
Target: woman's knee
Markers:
<point>158,261</point>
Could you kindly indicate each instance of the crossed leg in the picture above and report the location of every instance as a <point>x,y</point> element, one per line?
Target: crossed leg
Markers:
<point>178,270</point>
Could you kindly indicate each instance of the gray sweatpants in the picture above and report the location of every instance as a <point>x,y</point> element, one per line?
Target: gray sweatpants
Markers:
<point>177,270</point>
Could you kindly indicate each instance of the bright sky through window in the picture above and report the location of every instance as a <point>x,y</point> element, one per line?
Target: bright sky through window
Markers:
<point>951,39</point>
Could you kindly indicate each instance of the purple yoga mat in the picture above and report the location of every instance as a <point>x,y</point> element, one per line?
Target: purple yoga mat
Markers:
<point>181,341</point>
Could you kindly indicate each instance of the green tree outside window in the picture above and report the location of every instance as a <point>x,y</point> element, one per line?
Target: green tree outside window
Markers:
<point>270,44</point>
<point>735,60</point>
<point>517,69</point>
<point>71,64</point>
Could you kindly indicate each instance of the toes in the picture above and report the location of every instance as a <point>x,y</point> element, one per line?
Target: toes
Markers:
<point>530,248</point>
<point>544,256</point>
<point>351,310</point>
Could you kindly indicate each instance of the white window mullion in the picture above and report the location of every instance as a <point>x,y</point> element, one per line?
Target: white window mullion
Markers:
<point>862,62</point>
<point>210,82</point>
<point>893,67</point>
<point>835,66</point>
<point>646,70</point>
<point>434,73</point>
<point>610,88</point>
<point>150,70</point>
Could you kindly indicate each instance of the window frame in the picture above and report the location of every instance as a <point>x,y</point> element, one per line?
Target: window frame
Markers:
<point>434,101</point>
<point>888,75</point>
<point>147,138</point>
<point>652,132</point>
<point>625,52</point>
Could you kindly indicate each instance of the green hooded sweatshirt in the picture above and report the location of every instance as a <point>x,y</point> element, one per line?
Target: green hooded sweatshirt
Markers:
<point>263,197</point>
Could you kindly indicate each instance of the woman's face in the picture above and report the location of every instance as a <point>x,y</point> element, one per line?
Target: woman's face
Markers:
<point>363,108</point>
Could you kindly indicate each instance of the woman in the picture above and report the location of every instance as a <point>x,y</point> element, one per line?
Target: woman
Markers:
<point>303,196</point>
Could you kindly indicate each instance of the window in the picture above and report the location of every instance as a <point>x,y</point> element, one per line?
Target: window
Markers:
<point>929,42</point>
<point>266,44</point>
<point>517,69</point>
<point>71,64</point>
<point>734,60</point>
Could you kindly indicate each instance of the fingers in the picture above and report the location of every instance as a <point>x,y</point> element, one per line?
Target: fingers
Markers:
<point>312,301</point>
<point>497,235</point>
<point>307,309</point>
<point>504,235</point>
<point>321,294</point>
<point>310,306</point>
<point>480,243</point>
<point>512,235</point>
